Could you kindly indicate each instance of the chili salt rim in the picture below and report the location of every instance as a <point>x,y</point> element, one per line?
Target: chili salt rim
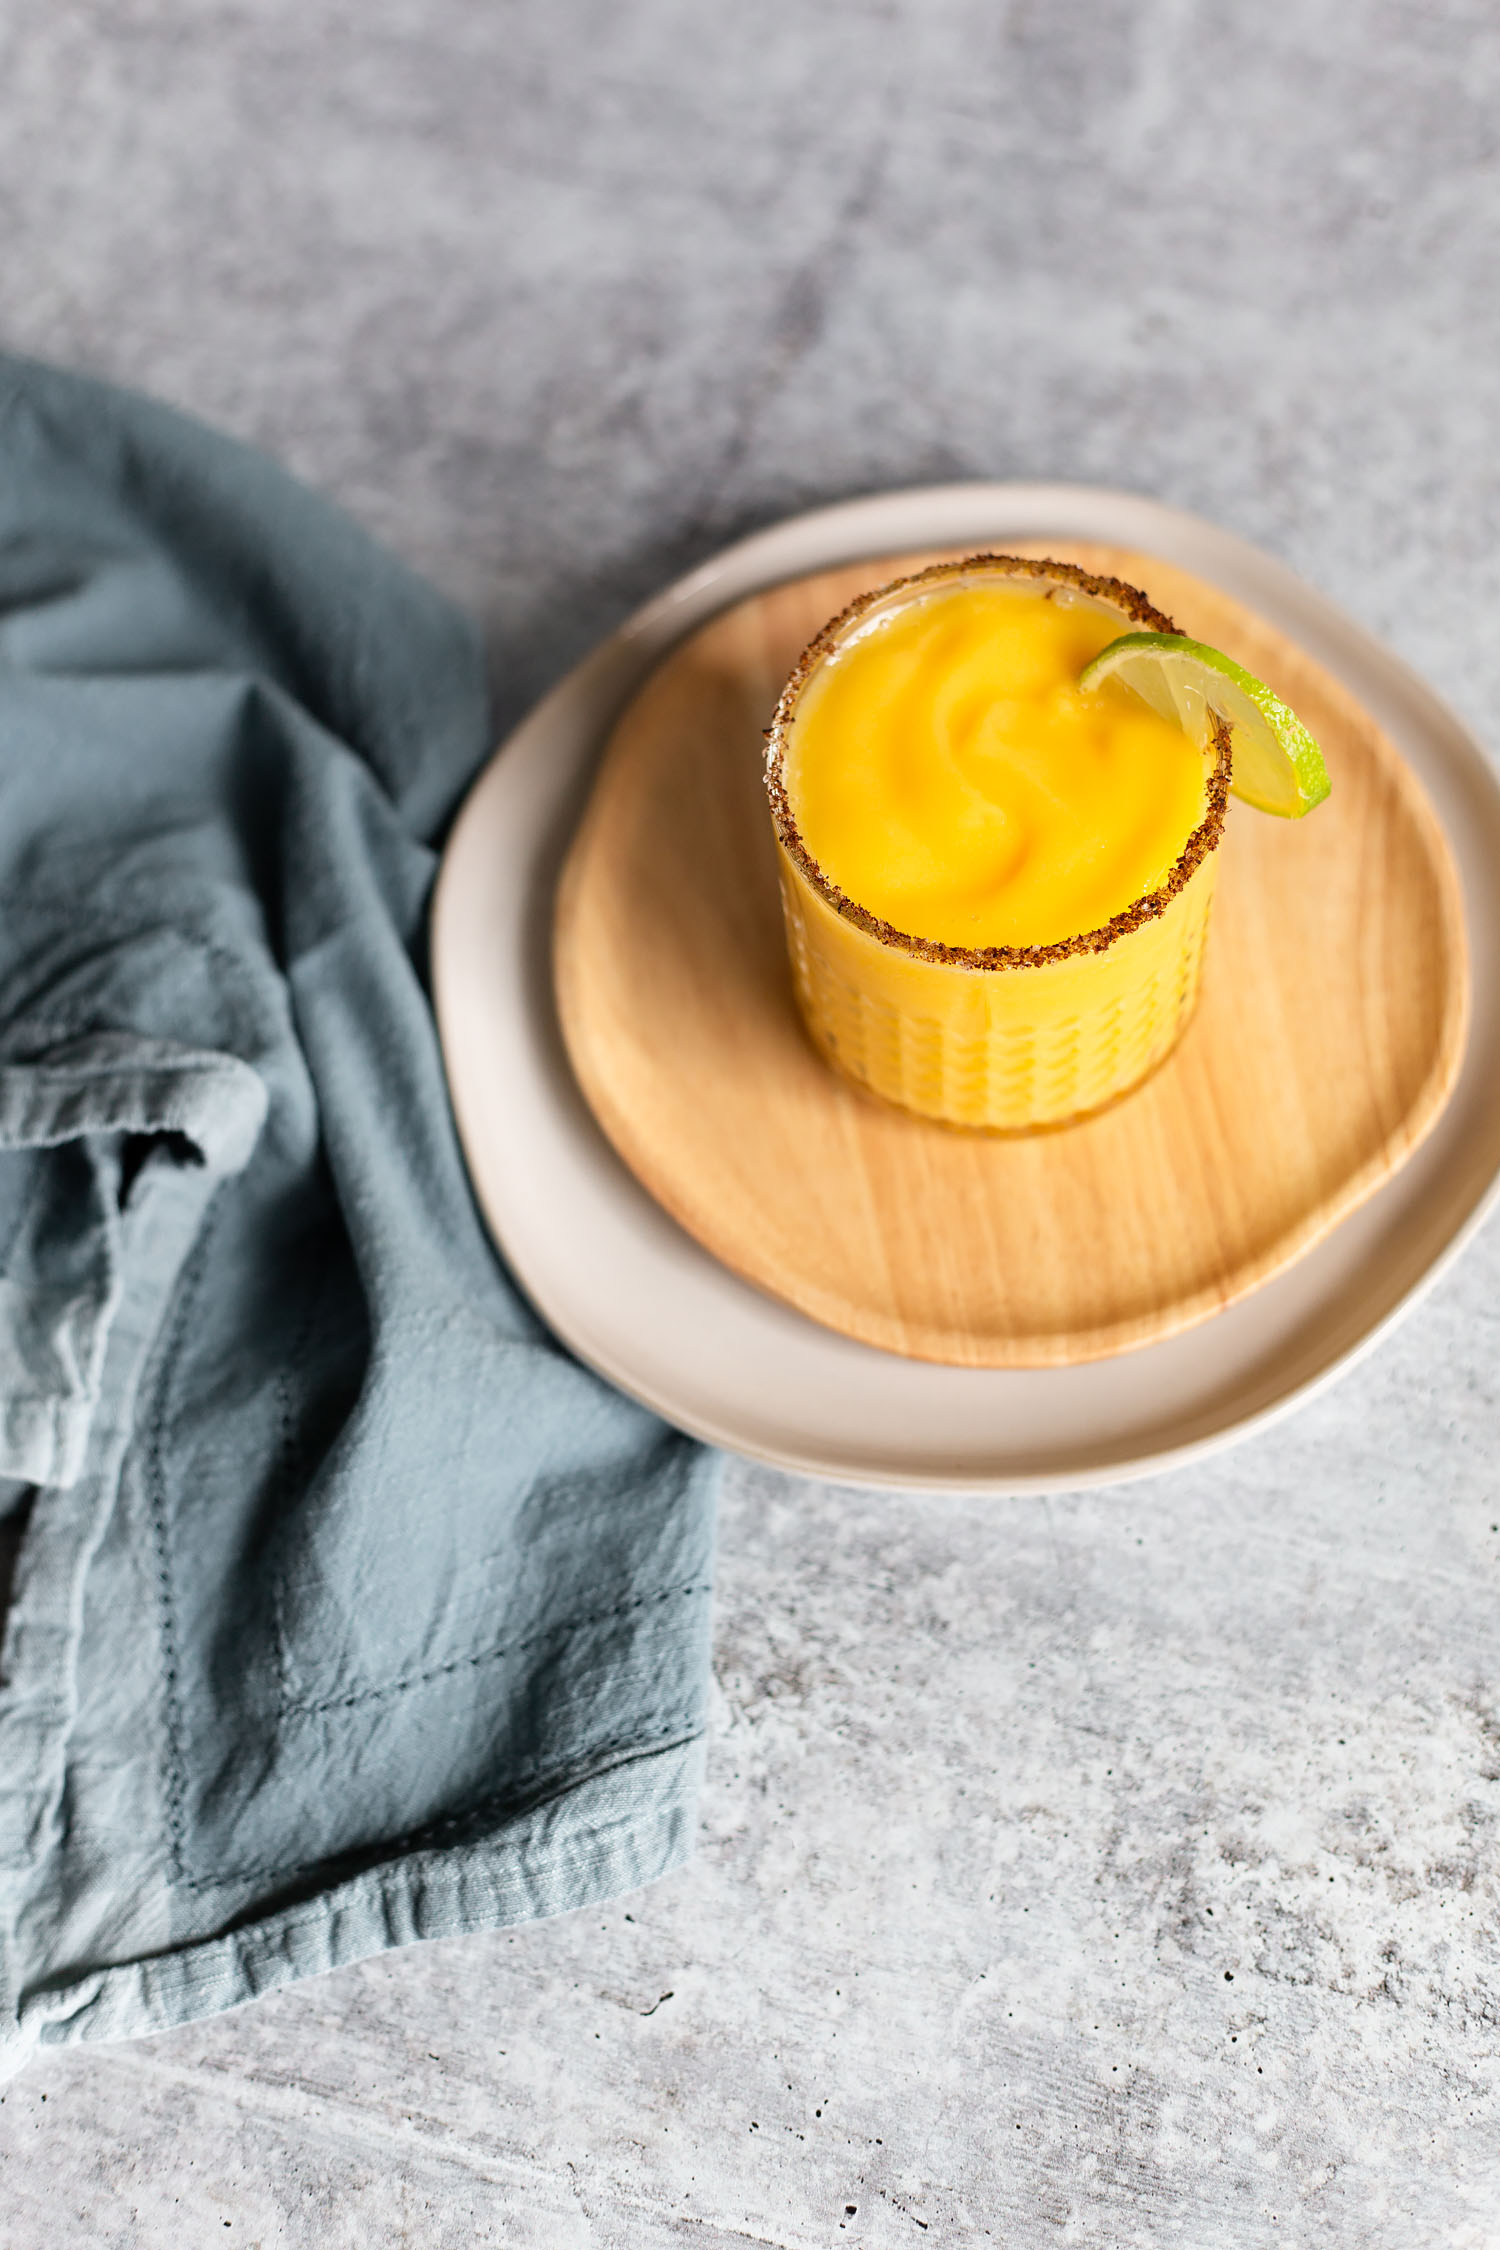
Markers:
<point>1148,908</point>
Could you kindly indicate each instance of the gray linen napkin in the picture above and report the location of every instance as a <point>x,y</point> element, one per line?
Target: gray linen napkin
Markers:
<point>347,1609</point>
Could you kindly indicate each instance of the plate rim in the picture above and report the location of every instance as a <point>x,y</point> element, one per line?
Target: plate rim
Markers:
<point>850,531</point>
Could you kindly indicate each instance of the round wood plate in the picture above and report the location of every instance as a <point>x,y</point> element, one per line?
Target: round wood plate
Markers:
<point>1329,1035</point>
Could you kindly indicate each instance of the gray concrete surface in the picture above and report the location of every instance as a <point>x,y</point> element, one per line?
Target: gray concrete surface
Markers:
<point>1112,1870</point>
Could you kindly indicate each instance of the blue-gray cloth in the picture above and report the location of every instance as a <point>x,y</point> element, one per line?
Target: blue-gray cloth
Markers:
<point>347,1609</point>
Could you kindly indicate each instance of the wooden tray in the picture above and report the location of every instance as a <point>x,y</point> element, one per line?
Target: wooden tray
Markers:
<point>1329,1034</point>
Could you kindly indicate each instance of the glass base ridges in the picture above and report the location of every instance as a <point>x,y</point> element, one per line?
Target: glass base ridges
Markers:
<point>1008,1050</point>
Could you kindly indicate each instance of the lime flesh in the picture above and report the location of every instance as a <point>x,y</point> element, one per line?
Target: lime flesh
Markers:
<point>1277,766</point>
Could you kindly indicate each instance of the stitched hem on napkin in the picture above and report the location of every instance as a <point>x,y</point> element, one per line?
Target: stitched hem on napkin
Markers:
<point>614,1833</point>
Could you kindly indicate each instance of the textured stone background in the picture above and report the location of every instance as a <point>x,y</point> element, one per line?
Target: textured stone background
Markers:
<point>1108,1870</point>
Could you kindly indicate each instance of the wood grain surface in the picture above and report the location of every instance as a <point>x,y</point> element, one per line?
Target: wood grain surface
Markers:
<point>1329,1033</point>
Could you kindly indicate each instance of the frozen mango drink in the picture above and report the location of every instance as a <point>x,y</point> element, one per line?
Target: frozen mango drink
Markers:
<point>998,789</point>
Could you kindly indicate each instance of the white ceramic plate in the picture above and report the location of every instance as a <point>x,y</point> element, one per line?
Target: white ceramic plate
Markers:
<point>641,1301</point>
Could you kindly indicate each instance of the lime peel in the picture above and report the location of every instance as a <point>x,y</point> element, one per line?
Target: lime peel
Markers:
<point>1277,767</point>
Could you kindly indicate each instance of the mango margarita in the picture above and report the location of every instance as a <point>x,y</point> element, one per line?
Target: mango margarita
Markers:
<point>996,882</point>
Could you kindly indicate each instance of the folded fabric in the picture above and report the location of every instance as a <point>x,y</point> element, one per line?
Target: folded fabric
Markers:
<point>346,1608</point>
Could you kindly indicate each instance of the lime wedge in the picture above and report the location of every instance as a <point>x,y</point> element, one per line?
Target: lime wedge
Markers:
<point>1278,767</point>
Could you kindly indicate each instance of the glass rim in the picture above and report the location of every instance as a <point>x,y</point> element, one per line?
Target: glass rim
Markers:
<point>1149,907</point>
